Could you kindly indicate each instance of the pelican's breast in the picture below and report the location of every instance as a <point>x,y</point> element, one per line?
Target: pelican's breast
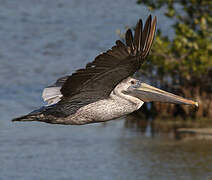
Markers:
<point>103,110</point>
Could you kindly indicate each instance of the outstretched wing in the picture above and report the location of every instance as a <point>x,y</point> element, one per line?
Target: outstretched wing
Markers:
<point>108,69</point>
<point>97,80</point>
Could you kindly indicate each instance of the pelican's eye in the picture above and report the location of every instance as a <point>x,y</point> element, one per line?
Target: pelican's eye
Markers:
<point>132,82</point>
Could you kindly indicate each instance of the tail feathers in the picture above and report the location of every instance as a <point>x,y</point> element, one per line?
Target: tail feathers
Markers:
<point>28,117</point>
<point>36,115</point>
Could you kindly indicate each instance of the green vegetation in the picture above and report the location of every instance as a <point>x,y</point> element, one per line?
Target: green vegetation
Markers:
<point>183,63</point>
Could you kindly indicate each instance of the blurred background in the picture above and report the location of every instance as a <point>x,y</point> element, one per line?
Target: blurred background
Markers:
<point>42,40</point>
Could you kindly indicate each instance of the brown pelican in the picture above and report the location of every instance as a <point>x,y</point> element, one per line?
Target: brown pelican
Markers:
<point>104,89</point>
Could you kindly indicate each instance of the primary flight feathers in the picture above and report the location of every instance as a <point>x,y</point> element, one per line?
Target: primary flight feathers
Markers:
<point>111,67</point>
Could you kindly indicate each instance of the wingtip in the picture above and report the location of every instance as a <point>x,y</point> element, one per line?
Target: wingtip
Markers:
<point>142,35</point>
<point>129,31</point>
<point>139,22</point>
<point>149,17</point>
<point>129,39</point>
<point>155,18</point>
<point>154,21</point>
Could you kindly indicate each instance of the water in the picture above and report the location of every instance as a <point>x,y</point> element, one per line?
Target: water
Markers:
<point>43,40</point>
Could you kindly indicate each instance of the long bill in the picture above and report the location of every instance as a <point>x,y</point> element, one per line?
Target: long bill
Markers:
<point>149,93</point>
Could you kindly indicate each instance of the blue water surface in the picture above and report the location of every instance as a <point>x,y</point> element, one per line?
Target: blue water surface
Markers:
<point>43,40</point>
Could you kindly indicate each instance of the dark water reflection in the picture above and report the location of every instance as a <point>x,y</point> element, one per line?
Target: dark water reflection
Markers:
<point>40,151</point>
<point>42,40</point>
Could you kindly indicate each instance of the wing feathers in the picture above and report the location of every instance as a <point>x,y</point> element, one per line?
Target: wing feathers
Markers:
<point>129,39</point>
<point>123,59</point>
<point>120,44</point>
<point>150,37</point>
<point>146,32</point>
<point>138,35</point>
<point>52,95</point>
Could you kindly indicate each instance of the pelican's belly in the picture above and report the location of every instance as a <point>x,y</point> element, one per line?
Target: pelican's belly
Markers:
<point>104,110</point>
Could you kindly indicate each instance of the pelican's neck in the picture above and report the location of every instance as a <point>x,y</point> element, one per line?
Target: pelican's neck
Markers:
<point>117,93</point>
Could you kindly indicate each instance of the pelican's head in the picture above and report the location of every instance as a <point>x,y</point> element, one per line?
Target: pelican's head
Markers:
<point>147,93</point>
